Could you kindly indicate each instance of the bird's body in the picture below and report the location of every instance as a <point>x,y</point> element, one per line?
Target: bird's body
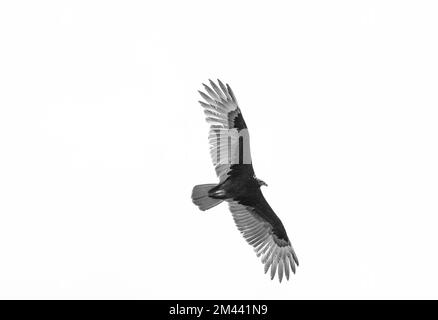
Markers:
<point>238,185</point>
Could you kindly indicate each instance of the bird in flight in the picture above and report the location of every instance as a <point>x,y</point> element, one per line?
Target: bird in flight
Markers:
<point>238,185</point>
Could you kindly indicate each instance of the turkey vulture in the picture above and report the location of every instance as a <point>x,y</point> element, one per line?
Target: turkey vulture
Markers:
<point>238,185</point>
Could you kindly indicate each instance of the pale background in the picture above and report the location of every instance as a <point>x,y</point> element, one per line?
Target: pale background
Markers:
<point>102,140</point>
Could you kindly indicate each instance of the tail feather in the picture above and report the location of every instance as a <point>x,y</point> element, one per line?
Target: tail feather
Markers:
<point>201,199</point>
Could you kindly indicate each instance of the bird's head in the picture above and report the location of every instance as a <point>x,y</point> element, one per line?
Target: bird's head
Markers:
<point>261,182</point>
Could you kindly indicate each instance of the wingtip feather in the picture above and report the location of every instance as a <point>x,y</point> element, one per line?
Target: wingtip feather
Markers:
<point>273,269</point>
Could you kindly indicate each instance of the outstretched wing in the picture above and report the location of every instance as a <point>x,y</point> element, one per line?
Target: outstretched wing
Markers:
<point>228,136</point>
<point>262,229</point>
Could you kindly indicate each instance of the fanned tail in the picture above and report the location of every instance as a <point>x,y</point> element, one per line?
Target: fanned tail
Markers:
<point>201,199</point>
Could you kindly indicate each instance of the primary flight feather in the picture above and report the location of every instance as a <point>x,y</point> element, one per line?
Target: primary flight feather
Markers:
<point>238,185</point>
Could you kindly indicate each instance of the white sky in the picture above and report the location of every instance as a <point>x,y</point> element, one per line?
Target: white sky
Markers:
<point>102,140</point>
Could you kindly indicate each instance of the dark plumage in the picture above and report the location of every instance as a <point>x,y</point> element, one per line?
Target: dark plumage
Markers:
<point>238,185</point>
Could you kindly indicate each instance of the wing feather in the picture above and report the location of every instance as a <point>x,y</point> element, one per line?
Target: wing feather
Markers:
<point>228,136</point>
<point>224,90</point>
<point>218,91</point>
<point>211,92</point>
<point>266,236</point>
